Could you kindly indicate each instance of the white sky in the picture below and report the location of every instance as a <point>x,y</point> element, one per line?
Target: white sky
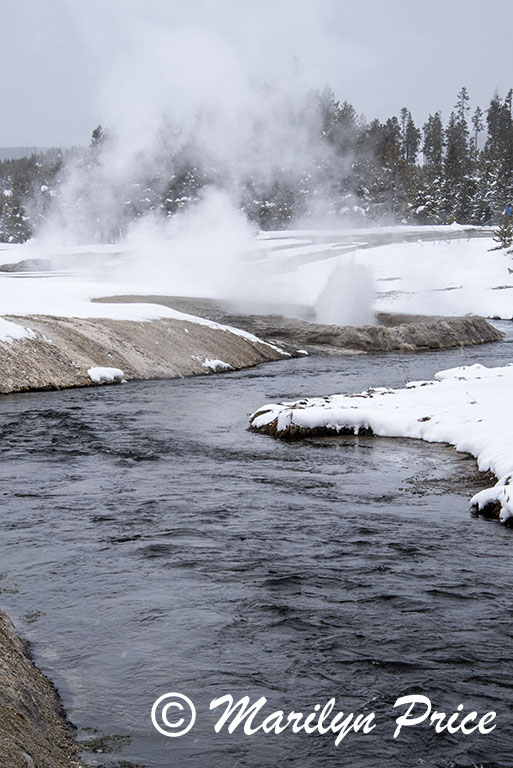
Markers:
<point>68,65</point>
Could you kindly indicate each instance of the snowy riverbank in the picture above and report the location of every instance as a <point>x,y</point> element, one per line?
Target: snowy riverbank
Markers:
<point>53,330</point>
<point>466,407</point>
<point>45,352</point>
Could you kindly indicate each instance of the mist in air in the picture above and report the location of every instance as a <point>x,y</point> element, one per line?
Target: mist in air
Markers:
<point>223,92</point>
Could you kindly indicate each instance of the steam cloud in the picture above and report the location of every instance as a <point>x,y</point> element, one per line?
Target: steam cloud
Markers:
<point>226,82</point>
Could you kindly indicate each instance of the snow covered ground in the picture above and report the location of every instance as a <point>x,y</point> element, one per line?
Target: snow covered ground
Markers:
<point>69,295</point>
<point>437,277</point>
<point>428,270</point>
<point>468,407</point>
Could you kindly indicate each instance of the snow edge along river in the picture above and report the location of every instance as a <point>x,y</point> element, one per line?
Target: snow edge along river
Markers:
<point>464,407</point>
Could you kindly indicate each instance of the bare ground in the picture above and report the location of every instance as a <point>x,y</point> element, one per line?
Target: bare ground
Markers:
<point>64,348</point>
<point>390,332</point>
<point>33,730</point>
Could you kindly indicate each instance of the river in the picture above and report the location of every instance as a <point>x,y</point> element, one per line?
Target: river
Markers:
<point>150,543</point>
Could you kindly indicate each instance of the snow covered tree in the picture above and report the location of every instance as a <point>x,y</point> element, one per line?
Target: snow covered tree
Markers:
<point>497,156</point>
<point>504,234</point>
<point>14,223</point>
<point>429,194</point>
<point>456,188</point>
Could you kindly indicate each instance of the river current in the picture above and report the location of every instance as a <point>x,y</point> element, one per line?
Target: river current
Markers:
<point>150,543</point>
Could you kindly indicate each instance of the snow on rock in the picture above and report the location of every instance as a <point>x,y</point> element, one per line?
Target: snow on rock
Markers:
<point>10,331</point>
<point>217,365</point>
<point>99,374</point>
<point>497,499</point>
<point>467,407</point>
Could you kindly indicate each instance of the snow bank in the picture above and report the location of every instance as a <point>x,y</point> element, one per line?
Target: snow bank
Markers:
<point>71,297</point>
<point>99,374</point>
<point>466,407</point>
<point>10,331</point>
<point>499,498</point>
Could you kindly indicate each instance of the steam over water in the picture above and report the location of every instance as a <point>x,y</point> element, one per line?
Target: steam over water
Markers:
<point>151,544</point>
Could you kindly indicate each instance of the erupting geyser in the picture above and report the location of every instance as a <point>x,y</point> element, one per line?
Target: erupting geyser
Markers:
<point>347,296</point>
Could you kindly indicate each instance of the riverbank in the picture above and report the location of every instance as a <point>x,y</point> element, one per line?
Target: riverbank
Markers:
<point>33,732</point>
<point>463,406</point>
<point>297,328</point>
<point>57,352</point>
<point>46,352</point>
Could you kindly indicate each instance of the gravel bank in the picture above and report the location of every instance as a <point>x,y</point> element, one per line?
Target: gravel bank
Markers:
<point>33,730</point>
<point>391,332</point>
<point>61,350</point>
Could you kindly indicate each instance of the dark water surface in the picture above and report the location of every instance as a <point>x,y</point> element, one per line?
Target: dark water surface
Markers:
<point>151,544</point>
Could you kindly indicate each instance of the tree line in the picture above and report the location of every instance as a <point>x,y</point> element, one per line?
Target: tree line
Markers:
<point>350,170</point>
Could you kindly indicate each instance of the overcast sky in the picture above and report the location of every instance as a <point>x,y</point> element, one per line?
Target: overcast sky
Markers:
<point>68,65</point>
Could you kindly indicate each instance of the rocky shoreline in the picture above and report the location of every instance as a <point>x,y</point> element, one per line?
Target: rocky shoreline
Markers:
<point>60,351</point>
<point>34,732</point>
<point>297,327</point>
<point>57,352</point>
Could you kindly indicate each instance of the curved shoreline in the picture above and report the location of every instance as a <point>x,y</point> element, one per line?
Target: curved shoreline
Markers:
<point>460,406</point>
<point>60,351</point>
<point>57,352</point>
<point>34,732</point>
<point>296,326</point>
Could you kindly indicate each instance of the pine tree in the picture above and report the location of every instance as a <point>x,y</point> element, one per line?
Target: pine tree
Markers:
<point>433,146</point>
<point>497,156</point>
<point>412,141</point>
<point>477,125</point>
<point>462,105</point>
<point>456,189</point>
<point>98,136</point>
<point>503,234</point>
<point>428,203</point>
<point>404,116</point>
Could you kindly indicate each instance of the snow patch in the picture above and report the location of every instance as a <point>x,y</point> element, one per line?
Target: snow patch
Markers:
<point>217,365</point>
<point>501,494</point>
<point>99,374</point>
<point>10,331</point>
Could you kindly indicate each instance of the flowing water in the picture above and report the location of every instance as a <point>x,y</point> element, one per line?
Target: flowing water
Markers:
<point>150,543</point>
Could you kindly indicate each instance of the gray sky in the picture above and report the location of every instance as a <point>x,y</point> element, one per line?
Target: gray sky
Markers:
<point>68,65</point>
